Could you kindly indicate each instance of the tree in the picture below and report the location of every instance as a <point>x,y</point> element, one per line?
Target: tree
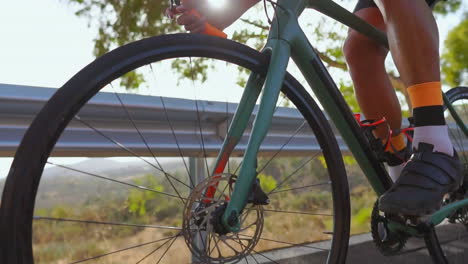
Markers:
<point>455,55</point>
<point>129,20</point>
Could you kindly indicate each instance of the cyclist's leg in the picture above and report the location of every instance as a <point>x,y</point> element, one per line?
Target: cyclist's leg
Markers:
<point>366,60</point>
<point>414,39</point>
<point>414,42</point>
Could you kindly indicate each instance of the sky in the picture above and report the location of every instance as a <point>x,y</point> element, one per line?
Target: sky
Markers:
<point>43,44</point>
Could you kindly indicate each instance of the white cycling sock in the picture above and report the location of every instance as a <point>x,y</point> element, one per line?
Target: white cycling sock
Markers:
<point>395,171</point>
<point>435,135</point>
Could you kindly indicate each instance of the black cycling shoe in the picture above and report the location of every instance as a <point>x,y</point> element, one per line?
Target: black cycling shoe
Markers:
<point>424,181</point>
<point>396,158</point>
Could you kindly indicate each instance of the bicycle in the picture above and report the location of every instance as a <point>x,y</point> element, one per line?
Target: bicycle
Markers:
<point>217,223</point>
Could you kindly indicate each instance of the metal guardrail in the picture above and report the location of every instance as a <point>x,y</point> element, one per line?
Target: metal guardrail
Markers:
<point>20,104</point>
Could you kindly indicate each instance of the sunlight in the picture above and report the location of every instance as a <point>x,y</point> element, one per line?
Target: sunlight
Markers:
<point>217,4</point>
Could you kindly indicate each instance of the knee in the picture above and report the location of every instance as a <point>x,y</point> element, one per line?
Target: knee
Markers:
<point>350,48</point>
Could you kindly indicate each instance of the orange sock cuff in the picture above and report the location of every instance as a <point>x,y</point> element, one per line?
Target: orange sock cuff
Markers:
<point>397,143</point>
<point>426,94</point>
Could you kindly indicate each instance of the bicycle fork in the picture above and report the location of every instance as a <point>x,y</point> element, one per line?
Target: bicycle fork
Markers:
<point>247,174</point>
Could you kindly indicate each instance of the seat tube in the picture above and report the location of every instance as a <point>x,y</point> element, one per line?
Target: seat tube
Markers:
<point>247,174</point>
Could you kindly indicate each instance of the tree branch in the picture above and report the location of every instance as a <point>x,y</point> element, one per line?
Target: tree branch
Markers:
<point>253,23</point>
<point>331,62</point>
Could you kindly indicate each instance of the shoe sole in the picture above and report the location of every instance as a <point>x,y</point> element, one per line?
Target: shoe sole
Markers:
<point>397,209</point>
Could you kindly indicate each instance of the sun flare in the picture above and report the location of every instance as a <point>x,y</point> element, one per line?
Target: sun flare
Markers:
<point>217,4</point>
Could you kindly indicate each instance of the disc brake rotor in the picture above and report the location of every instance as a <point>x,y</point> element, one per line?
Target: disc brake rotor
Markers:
<point>203,231</point>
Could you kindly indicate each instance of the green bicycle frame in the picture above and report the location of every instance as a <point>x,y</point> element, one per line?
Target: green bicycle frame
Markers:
<point>287,40</point>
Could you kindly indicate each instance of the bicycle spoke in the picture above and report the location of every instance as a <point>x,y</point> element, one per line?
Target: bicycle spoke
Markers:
<point>258,253</point>
<point>242,247</point>
<point>210,249</point>
<point>229,246</point>
<point>288,243</point>
<point>166,114</point>
<point>160,246</point>
<point>227,131</point>
<point>103,223</point>
<point>167,249</point>
<point>297,212</point>
<point>462,135</point>
<point>145,142</point>
<point>282,147</point>
<point>199,119</point>
<point>255,259</point>
<point>116,181</point>
<point>217,247</point>
<point>294,172</point>
<point>302,187</point>
<point>120,250</point>
<point>208,208</point>
<point>126,149</point>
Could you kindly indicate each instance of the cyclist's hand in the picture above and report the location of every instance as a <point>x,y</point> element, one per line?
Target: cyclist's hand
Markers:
<point>192,20</point>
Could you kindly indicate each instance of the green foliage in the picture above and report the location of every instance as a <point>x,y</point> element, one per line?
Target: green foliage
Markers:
<point>132,80</point>
<point>312,201</point>
<point>192,69</point>
<point>349,160</point>
<point>267,182</point>
<point>322,161</point>
<point>446,7</point>
<point>138,200</point>
<point>455,55</point>
<point>120,22</point>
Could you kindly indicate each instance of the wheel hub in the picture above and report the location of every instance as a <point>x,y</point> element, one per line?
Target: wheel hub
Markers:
<point>206,236</point>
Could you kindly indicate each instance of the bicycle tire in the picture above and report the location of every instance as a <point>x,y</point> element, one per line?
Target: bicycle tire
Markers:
<point>18,201</point>
<point>442,240</point>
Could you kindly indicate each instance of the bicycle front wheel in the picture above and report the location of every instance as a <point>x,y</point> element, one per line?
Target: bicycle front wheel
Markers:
<point>447,241</point>
<point>103,174</point>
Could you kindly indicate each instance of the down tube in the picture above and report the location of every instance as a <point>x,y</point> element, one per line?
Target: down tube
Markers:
<point>334,104</point>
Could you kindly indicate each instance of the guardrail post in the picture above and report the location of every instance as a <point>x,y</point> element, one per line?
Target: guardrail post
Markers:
<point>197,175</point>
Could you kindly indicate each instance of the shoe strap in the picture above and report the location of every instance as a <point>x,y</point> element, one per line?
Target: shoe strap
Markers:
<point>433,162</point>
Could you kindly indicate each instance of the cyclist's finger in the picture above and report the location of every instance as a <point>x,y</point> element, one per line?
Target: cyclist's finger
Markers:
<point>184,8</point>
<point>187,19</point>
<point>197,26</point>
<point>198,30</point>
<point>170,13</point>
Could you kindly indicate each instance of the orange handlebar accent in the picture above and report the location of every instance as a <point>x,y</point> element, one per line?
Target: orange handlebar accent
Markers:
<point>209,29</point>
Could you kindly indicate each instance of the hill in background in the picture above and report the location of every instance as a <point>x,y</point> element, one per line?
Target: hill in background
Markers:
<point>65,186</point>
